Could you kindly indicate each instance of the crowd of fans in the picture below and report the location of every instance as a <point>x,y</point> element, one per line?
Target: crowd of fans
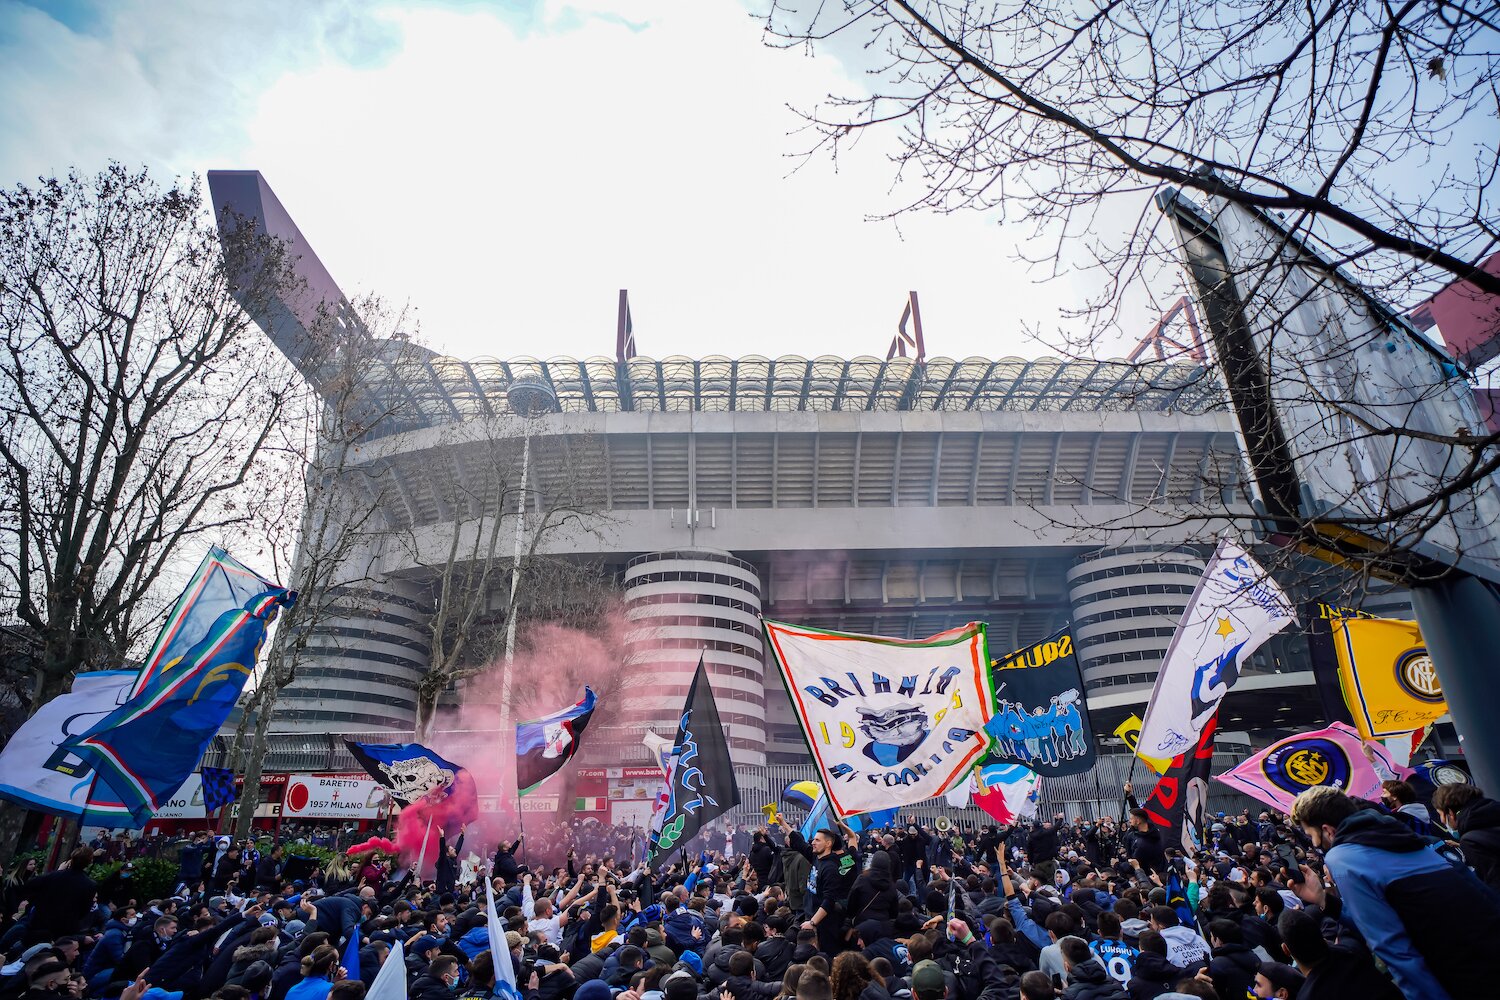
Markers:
<point>1343,898</point>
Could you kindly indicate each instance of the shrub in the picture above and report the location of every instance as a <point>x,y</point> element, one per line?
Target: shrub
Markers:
<point>151,878</point>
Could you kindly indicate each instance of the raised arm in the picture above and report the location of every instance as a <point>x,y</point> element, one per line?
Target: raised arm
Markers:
<point>528,901</point>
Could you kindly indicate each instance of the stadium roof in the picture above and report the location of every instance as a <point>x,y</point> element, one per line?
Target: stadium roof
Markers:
<point>403,386</point>
<point>417,388</point>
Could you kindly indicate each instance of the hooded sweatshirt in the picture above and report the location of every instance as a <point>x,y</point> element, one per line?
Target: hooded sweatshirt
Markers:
<point>1088,981</point>
<point>1479,836</point>
<point>873,900</point>
<point>1185,946</point>
<point>1418,913</point>
<point>1233,970</point>
<point>1152,974</point>
<point>1131,929</point>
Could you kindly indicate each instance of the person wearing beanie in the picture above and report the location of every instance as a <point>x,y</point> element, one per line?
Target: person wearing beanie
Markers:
<point>257,980</point>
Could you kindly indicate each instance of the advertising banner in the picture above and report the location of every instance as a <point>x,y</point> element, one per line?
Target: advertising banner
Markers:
<point>187,803</point>
<point>334,796</point>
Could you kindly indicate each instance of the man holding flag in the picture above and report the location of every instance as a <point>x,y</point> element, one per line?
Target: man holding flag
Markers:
<point>833,873</point>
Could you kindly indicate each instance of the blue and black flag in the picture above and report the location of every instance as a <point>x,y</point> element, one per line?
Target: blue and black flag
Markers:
<point>218,788</point>
<point>544,745</point>
<point>702,784</point>
<point>411,771</point>
<point>1041,718</point>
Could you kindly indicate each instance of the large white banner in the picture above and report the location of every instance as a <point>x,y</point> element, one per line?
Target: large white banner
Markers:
<point>34,770</point>
<point>334,796</point>
<point>1235,608</point>
<point>186,802</point>
<point>890,721</point>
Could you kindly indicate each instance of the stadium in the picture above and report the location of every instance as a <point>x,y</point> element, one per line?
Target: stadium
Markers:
<point>898,496</point>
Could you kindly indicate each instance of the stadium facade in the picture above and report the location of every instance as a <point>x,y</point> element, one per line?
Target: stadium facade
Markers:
<point>894,497</point>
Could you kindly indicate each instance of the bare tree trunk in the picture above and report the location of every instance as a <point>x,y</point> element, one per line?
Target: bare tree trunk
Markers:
<point>254,764</point>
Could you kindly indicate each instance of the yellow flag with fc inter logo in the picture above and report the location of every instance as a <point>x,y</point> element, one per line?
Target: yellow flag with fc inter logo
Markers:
<point>1387,676</point>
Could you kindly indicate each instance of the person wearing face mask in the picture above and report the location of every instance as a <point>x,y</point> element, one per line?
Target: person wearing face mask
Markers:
<point>1475,821</point>
<point>439,981</point>
<point>146,950</point>
<point>99,967</point>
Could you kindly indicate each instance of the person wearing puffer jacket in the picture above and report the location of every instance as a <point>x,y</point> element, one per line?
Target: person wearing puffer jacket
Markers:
<point>1233,966</point>
<point>775,952</point>
<point>261,946</point>
<point>475,939</point>
<point>1086,976</point>
<point>684,928</point>
<point>108,950</point>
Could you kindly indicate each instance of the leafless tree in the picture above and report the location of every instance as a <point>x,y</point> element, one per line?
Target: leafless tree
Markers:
<point>474,477</point>
<point>322,516</point>
<point>1335,126</point>
<point>137,398</point>
<point>1370,124</point>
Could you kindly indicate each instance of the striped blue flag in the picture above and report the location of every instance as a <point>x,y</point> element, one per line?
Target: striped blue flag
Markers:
<point>144,750</point>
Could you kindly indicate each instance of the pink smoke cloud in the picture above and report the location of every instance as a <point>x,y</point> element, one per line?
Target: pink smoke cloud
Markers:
<point>553,663</point>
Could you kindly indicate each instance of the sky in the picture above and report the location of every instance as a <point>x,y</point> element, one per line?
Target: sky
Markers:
<point>504,168</point>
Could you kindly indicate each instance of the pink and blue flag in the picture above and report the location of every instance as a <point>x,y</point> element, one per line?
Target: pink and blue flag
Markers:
<point>1332,756</point>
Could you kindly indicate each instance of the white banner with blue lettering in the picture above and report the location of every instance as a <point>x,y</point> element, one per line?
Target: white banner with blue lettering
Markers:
<point>890,722</point>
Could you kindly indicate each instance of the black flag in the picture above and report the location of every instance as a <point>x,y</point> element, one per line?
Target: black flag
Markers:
<point>1325,663</point>
<point>1178,805</point>
<point>702,785</point>
<point>1041,717</point>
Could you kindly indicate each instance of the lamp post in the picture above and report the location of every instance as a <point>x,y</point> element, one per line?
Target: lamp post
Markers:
<point>527,396</point>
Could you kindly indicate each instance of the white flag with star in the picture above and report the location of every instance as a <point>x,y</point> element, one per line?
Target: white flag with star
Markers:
<point>1235,608</point>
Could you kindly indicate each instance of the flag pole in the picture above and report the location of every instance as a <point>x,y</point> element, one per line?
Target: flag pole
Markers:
<point>423,856</point>
<point>521,823</point>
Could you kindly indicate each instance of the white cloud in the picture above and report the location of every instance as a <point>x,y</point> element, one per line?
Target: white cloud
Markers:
<point>507,175</point>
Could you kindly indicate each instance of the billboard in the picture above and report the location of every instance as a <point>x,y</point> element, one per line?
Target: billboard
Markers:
<point>1355,425</point>
<point>334,796</point>
<point>187,803</point>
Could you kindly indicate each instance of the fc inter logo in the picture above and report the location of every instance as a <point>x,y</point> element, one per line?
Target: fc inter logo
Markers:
<point>1417,676</point>
<point>1307,763</point>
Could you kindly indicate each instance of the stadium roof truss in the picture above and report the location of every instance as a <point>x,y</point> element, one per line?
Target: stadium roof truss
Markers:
<point>418,389</point>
